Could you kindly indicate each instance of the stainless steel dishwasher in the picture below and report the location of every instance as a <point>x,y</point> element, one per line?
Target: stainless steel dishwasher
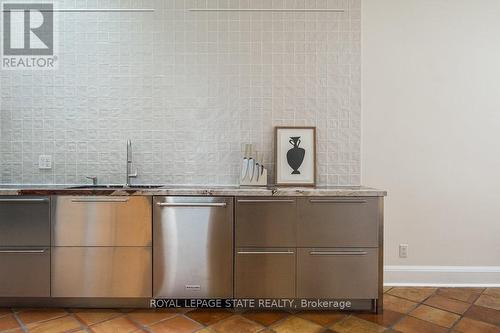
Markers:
<point>193,247</point>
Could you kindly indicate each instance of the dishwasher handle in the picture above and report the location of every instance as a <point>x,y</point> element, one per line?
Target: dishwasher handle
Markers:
<point>192,204</point>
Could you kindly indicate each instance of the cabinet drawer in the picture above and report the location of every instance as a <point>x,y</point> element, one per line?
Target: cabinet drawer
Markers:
<point>24,221</point>
<point>101,221</point>
<point>265,273</point>
<point>338,222</point>
<point>24,272</point>
<point>101,272</point>
<point>350,273</point>
<point>265,222</point>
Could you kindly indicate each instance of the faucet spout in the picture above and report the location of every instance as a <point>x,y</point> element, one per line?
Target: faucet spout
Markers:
<point>129,174</point>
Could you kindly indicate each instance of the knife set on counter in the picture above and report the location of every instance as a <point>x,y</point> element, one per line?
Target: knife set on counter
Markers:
<point>253,172</point>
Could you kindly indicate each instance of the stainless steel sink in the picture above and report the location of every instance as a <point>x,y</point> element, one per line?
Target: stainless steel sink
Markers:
<point>115,187</point>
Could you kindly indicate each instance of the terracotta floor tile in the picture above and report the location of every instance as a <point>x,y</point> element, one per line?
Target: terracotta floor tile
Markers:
<point>4,312</point>
<point>149,317</point>
<point>265,318</point>
<point>447,304</point>
<point>398,304</point>
<point>467,325</point>
<point>489,301</point>
<point>354,324</point>
<point>487,315</point>
<point>236,323</point>
<point>492,292</point>
<point>36,315</point>
<point>58,325</point>
<point>94,316</point>
<point>435,316</point>
<point>323,318</point>
<point>178,324</point>
<point>208,316</point>
<point>468,295</point>
<point>412,293</point>
<point>295,324</point>
<point>8,322</point>
<point>414,325</point>
<point>386,319</point>
<point>208,330</point>
<point>115,325</point>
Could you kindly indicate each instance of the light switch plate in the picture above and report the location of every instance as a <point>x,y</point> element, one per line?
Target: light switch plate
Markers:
<point>45,162</point>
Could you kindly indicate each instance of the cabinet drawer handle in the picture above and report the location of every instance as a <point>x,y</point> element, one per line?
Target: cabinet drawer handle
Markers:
<point>192,204</point>
<point>100,200</point>
<point>24,251</point>
<point>25,200</point>
<point>336,201</point>
<point>265,201</point>
<point>338,253</point>
<point>266,252</point>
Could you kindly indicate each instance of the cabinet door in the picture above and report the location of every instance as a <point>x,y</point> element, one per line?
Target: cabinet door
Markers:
<point>266,222</point>
<point>24,272</point>
<point>338,222</point>
<point>265,273</point>
<point>101,221</point>
<point>24,221</point>
<point>350,273</point>
<point>101,272</point>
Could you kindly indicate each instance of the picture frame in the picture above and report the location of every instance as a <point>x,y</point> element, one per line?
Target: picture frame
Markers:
<point>295,156</point>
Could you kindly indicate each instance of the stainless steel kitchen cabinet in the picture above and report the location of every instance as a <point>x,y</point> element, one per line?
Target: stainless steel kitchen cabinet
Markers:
<point>193,247</point>
<point>350,273</point>
<point>101,272</point>
<point>25,272</point>
<point>24,246</point>
<point>101,221</point>
<point>24,221</point>
<point>338,222</point>
<point>101,246</point>
<point>309,247</point>
<point>266,222</point>
<point>265,273</point>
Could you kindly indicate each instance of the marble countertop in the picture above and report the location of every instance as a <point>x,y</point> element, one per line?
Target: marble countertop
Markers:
<point>341,191</point>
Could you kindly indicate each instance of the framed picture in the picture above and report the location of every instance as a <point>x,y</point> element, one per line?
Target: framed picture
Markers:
<point>295,156</point>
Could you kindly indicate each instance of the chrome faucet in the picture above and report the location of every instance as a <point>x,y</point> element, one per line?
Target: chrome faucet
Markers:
<point>94,180</point>
<point>129,164</point>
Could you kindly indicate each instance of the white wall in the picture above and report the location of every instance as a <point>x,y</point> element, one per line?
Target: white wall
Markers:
<point>431,134</point>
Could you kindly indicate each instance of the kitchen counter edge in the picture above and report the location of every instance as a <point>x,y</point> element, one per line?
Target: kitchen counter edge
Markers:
<point>358,191</point>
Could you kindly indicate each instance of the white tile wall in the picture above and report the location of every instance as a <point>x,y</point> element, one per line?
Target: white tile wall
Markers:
<point>188,88</point>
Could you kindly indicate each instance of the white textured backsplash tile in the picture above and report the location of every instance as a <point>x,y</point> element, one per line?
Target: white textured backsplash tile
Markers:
<point>188,88</point>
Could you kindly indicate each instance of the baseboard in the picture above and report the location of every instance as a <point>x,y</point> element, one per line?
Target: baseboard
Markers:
<point>442,276</point>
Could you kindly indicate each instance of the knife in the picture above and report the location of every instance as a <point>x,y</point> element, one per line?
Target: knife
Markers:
<point>257,164</point>
<point>244,170</point>
<point>251,163</point>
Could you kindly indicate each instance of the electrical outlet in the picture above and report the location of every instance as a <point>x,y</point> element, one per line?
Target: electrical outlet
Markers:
<point>403,250</point>
<point>45,162</point>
